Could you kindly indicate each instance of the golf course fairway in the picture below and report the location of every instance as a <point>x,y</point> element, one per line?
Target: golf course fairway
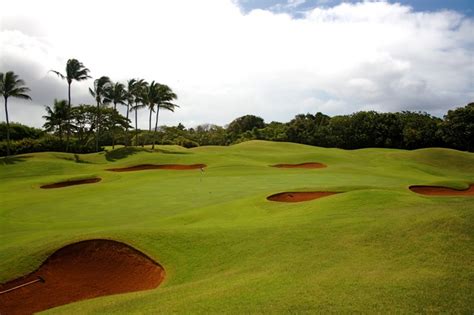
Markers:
<point>374,246</point>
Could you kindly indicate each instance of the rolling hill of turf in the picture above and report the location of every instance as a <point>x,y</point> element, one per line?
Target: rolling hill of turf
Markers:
<point>377,247</point>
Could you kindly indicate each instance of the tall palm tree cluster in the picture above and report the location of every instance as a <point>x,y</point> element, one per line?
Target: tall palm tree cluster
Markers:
<point>12,86</point>
<point>136,94</point>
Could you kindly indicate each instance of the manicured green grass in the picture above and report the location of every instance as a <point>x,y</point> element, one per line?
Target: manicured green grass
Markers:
<point>376,248</point>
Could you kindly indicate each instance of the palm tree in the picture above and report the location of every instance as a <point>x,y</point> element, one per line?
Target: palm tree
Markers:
<point>151,109</point>
<point>137,92</point>
<point>162,95</point>
<point>131,84</point>
<point>75,71</point>
<point>100,86</point>
<point>11,85</point>
<point>116,94</point>
<point>57,118</point>
<point>149,99</point>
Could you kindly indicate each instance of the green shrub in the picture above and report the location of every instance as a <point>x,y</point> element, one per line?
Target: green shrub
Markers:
<point>19,131</point>
<point>187,143</point>
<point>43,144</point>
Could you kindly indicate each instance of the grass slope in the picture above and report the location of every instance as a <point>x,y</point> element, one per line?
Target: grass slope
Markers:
<point>376,248</point>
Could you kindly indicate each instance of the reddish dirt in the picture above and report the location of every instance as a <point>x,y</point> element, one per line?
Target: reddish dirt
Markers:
<point>72,183</point>
<point>442,191</point>
<point>179,167</point>
<point>299,196</point>
<point>82,271</point>
<point>301,165</point>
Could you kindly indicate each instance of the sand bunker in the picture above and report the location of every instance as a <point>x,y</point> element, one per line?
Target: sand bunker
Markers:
<point>442,191</point>
<point>72,183</point>
<point>142,167</point>
<point>299,196</point>
<point>82,271</point>
<point>301,165</point>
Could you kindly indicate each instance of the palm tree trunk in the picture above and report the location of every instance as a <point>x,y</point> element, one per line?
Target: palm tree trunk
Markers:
<point>127,138</point>
<point>149,120</point>
<point>88,134</point>
<point>113,138</point>
<point>149,126</point>
<point>136,124</point>
<point>97,126</point>
<point>113,129</point>
<point>8,127</point>
<point>156,127</point>
<point>68,116</point>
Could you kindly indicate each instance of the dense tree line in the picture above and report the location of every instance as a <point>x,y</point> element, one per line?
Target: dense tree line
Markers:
<point>404,130</point>
<point>86,128</point>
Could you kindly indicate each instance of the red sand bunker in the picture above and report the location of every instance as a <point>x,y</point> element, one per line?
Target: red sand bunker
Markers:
<point>82,271</point>
<point>301,165</point>
<point>299,196</point>
<point>442,191</point>
<point>72,183</point>
<point>142,167</point>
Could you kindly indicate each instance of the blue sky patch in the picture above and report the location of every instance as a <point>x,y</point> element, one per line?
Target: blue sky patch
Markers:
<point>295,7</point>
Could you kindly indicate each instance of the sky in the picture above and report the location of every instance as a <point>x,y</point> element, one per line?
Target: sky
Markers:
<point>298,7</point>
<point>228,58</point>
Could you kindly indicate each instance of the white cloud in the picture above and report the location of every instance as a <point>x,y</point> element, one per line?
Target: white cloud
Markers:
<point>223,63</point>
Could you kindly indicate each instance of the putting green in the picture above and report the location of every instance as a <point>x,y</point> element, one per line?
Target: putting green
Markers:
<point>377,247</point>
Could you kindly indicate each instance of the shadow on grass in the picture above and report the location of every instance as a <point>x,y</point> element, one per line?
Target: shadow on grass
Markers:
<point>121,153</point>
<point>76,158</point>
<point>9,160</point>
<point>169,152</point>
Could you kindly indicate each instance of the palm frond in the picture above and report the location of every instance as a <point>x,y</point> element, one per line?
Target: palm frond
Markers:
<point>22,96</point>
<point>11,85</point>
<point>92,92</point>
<point>168,104</point>
<point>59,74</point>
<point>82,75</point>
<point>75,71</point>
<point>100,86</point>
<point>20,90</point>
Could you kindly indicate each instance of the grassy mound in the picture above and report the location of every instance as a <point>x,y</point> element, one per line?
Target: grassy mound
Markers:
<point>378,247</point>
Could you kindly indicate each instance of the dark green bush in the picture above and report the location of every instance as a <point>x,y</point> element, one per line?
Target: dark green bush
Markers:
<point>187,143</point>
<point>19,131</point>
<point>44,144</point>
